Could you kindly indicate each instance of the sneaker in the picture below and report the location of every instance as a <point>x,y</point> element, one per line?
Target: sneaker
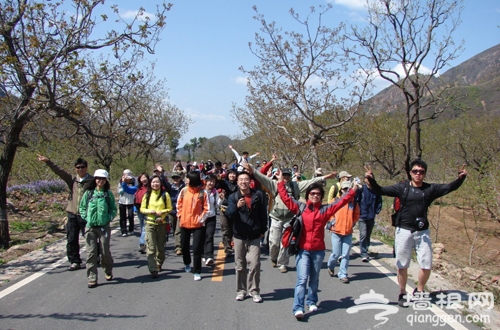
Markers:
<point>197,277</point>
<point>257,298</point>
<point>158,267</point>
<point>299,315</point>
<point>142,249</point>
<point>154,274</point>
<point>187,268</point>
<point>365,259</point>
<point>283,269</point>
<point>124,235</point>
<point>74,266</point>
<point>344,280</point>
<point>178,252</point>
<point>274,263</point>
<point>109,276</point>
<point>203,259</point>
<point>313,308</point>
<point>92,285</point>
<point>209,262</point>
<point>240,296</point>
<point>330,272</point>
<point>402,302</point>
<point>339,259</point>
<point>229,253</point>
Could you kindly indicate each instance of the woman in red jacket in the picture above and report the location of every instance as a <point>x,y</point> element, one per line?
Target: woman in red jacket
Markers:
<point>312,240</point>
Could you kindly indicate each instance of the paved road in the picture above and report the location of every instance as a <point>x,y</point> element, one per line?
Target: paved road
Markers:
<point>58,299</point>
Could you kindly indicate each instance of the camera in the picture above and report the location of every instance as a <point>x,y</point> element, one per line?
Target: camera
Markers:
<point>420,222</point>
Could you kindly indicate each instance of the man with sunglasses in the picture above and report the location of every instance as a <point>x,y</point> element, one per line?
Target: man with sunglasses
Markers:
<point>77,186</point>
<point>412,227</point>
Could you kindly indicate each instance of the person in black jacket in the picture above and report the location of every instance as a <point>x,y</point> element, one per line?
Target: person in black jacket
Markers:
<point>226,187</point>
<point>248,211</point>
<point>412,227</point>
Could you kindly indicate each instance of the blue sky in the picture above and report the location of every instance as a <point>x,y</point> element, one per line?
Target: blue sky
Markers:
<point>205,42</point>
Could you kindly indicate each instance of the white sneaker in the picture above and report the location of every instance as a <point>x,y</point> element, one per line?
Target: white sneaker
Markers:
<point>240,296</point>
<point>257,298</point>
<point>313,308</point>
<point>283,269</point>
<point>299,315</point>
<point>197,277</point>
<point>209,262</point>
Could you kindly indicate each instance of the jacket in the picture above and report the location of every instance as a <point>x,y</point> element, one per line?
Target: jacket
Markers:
<point>77,186</point>
<point>156,203</point>
<point>99,210</point>
<point>418,200</point>
<point>314,218</point>
<point>248,223</point>
<point>139,194</point>
<point>174,194</point>
<point>126,192</point>
<point>192,207</point>
<point>370,204</point>
<point>345,219</point>
<point>280,212</point>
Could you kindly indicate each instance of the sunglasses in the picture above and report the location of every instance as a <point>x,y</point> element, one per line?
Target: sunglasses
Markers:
<point>315,194</point>
<point>418,171</point>
<point>80,167</point>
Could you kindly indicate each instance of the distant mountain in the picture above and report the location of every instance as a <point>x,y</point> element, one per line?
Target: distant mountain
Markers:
<point>476,80</point>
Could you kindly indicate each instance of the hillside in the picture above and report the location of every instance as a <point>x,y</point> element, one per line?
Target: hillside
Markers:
<point>476,82</point>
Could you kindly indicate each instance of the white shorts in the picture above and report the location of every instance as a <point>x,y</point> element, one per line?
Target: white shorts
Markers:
<point>406,241</point>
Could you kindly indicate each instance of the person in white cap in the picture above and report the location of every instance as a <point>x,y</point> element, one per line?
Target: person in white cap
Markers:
<point>98,208</point>
<point>126,190</point>
<point>335,190</point>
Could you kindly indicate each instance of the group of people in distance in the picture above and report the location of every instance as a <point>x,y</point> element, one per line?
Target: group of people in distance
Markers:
<point>254,204</point>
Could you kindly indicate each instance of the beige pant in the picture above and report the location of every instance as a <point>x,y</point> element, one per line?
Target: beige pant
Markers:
<point>155,245</point>
<point>97,242</point>
<point>247,260</point>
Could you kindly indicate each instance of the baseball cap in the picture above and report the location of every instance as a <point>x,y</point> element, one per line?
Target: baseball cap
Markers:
<point>286,170</point>
<point>101,174</point>
<point>344,174</point>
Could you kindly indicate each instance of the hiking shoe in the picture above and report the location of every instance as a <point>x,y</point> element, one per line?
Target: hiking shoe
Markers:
<point>158,267</point>
<point>154,274</point>
<point>299,315</point>
<point>339,259</point>
<point>187,268</point>
<point>240,296</point>
<point>344,280</point>
<point>124,235</point>
<point>274,263</point>
<point>142,249</point>
<point>92,285</point>
<point>283,269</point>
<point>109,276</point>
<point>74,266</point>
<point>313,308</point>
<point>178,252</point>
<point>197,277</point>
<point>257,298</point>
<point>330,272</point>
<point>402,302</point>
<point>365,259</point>
<point>209,262</point>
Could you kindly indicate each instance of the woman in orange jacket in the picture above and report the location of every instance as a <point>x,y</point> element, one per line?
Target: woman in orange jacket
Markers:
<point>192,211</point>
<point>341,235</point>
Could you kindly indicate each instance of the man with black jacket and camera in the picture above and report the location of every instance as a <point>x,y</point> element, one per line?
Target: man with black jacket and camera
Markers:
<point>412,225</point>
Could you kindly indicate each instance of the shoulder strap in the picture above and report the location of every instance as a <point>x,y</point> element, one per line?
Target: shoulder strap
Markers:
<point>164,198</point>
<point>404,197</point>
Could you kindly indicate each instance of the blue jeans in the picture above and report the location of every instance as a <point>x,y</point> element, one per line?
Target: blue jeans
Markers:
<point>142,223</point>
<point>341,247</point>
<point>308,265</point>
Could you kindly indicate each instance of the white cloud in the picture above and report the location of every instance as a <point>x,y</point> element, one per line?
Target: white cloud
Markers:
<point>200,116</point>
<point>352,4</point>
<point>381,83</point>
<point>131,14</point>
<point>242,80</point>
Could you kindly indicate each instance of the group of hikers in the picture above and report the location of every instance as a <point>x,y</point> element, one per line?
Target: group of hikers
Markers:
<point>254,204</point>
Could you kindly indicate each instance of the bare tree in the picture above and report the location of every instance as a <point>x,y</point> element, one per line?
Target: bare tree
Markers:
<point>43,52</point>
<point>402,36</point>
<point>303,88</point>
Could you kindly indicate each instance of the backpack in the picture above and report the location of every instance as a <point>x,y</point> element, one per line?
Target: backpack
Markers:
<point>91,197</point>
<point>163,197</point>
<point>293,230</point>
<point>398,203</point>
<point>336,190</point>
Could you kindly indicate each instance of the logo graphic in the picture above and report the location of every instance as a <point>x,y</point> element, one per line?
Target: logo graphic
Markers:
<point>374,300</point>
<point>481,299</point>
